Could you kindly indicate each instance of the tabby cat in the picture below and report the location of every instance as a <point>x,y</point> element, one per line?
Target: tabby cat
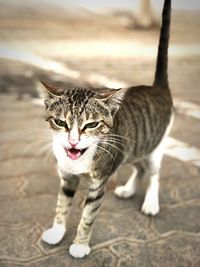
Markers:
<point>96,130</point>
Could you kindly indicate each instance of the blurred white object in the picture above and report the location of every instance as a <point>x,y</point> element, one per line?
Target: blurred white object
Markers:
<point>145,17</point>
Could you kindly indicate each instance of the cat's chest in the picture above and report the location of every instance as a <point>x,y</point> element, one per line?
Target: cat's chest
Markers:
<point>82,165</point>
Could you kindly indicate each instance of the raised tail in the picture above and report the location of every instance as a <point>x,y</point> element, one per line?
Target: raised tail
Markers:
<point>161,73</point>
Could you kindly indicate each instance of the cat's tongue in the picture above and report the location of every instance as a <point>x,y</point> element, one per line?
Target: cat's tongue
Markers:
<point>74,153</point>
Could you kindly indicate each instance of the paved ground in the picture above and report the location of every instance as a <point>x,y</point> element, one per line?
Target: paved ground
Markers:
<point>123,236</point>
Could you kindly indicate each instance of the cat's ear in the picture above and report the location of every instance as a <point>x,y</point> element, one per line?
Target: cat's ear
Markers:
<point>114,97</point>
<point>51,90</point>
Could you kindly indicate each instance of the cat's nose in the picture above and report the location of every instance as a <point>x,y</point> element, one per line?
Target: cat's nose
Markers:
<point>73,142</point>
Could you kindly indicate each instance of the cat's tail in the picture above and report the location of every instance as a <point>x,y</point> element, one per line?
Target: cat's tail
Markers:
<point>161,73</point>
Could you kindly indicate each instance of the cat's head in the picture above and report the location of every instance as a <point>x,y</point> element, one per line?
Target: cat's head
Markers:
<point>81,118</point>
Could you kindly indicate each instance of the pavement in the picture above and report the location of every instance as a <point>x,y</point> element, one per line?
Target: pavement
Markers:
<point>122,235</point>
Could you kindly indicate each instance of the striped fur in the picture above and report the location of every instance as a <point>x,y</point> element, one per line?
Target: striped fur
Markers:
<point>105,128</point>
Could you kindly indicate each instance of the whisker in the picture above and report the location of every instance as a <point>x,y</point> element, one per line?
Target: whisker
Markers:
<point>49,156</point>
<point>45,148</point>
<point>105,151</point>
<point>117,148</point>
<point>114,141</point>
<point>120,137</point>
<point>34,144</point>
<point>31,130</point>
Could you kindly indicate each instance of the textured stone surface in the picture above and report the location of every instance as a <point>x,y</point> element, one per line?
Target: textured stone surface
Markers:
<point>37,184</point>
<point>60,259</point>
<point>102,258</point>
<point>130,255</point>
<point>179,181</point>
<point>111,202</point>
<point>33,165</point>
<point>23,210</point>
<point>19,242</point>
<point>110,225</point>
<point>176,250</point>
<point>184,217</point>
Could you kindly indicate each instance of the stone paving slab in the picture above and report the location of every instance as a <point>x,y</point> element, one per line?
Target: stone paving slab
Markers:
<point>174,250</point>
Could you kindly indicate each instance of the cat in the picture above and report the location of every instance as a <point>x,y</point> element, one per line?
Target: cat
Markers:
<point>96,130</point>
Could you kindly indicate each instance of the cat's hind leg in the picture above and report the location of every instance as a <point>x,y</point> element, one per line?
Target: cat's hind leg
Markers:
<point>56,233</point>
<point>153,162</point>
<point>148,168</point>
<point>129,189</point>
<point>151,202</point>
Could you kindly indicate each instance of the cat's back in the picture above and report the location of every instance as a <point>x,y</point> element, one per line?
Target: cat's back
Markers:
<point>143,93</point>
<point>143,117</point>
<point>147,100</point>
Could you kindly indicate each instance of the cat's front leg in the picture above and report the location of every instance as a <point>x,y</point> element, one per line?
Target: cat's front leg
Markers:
<point>80,247</point>
<point>56,233</point>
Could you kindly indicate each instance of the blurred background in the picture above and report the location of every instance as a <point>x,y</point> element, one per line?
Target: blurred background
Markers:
<point>96,43</point>
<point>67,39</point>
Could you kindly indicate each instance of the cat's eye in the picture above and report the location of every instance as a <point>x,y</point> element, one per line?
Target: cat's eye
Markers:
<point>60,123</point>
<point>91,125</point>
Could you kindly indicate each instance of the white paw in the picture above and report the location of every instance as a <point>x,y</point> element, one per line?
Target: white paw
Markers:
<point>79,250</point>
<point>150,207</point>
<point>54,235</point>
<point>123,192</point>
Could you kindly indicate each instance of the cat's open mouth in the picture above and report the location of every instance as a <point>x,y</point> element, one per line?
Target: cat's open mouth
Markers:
<point>74,153</point>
